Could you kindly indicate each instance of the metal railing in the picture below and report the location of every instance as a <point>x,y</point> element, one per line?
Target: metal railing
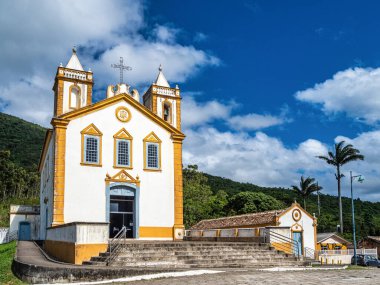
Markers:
<point>115,244</point>
<point>368,251</point>
<point>283,243</point>
<point>310,253</point>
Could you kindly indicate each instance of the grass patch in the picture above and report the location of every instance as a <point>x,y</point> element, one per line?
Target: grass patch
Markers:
<point>7,252</point>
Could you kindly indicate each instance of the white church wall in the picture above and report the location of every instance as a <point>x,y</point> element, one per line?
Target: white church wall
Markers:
<point>87,183</point>
<point>307,225</point>
<point>46,189</point>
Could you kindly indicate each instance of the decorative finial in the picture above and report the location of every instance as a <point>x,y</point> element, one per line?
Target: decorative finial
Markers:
<point>61,65</point>
<point>89,70</point>
<point>160,67</point>
<point>74,49</point>
<point>176,86</point>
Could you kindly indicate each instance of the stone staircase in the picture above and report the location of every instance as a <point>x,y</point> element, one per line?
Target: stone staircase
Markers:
<point>186,254</point>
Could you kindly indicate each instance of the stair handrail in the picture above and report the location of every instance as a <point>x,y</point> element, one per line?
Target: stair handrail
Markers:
<point>114,245</point>
<point>284,243</point>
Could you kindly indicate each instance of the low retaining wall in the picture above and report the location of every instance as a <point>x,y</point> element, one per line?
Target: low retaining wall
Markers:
<point>335,259</point>
<point>35,274</point>
<point>76,242</point>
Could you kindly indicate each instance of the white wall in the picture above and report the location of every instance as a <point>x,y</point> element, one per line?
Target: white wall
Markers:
<point>306,223</point>
<point>46,189</point>
<point>19,213</point>
<point>85,188</point>
<point>79,233</point>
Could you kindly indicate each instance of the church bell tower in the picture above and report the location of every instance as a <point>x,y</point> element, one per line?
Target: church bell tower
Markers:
<point>72,87</point>
<point>164,100</point>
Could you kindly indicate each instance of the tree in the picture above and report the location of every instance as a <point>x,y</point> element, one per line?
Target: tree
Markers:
<point>252,202</point>
<point>307,186</point>
<point>197,196</point>
<point>342,155</point>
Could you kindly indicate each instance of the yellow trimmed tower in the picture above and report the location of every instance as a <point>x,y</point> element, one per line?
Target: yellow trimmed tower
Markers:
<point>72,87</point>
<point>164,101</point>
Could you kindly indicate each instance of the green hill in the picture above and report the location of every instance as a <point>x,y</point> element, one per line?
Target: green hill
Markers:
<point>23,139</point>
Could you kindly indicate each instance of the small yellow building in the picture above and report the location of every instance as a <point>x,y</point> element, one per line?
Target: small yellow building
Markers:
<point>331,241</point>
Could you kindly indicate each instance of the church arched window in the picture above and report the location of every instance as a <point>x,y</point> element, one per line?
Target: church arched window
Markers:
<point>167,111</point>
<point>75,98</point>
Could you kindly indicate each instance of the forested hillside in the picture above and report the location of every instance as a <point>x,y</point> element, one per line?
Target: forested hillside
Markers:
<point>23,139</point>
<point>205,196</point>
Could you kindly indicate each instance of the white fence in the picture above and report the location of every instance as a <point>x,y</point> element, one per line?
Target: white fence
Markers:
<point>3,234</point>
<point>6,236</point>
<point>368,251</point>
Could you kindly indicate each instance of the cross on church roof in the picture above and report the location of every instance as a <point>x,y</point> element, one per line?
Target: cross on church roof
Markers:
<point>122,67</point>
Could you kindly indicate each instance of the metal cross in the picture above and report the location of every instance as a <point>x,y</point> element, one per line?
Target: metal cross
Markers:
<point>122,67</point>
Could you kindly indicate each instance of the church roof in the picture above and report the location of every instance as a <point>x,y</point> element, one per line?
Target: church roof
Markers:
<point>161,80</point>
<point>251,220</point>
<point>74,62</point>
<point>113,100</point>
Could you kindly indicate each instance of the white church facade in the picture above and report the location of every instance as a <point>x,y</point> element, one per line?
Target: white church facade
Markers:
<point>109,164</point>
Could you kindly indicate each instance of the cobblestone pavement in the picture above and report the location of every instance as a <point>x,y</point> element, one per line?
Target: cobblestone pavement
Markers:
<point>328,277</point>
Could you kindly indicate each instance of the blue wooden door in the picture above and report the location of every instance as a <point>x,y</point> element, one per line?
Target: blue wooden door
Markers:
<point>24,231</point>
<point>297,236</point>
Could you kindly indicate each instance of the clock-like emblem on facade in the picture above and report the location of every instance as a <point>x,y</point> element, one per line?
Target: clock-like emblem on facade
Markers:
<point>123,114</point>
<point>296,214</point>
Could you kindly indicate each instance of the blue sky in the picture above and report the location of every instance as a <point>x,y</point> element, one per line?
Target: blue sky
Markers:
<point>266,85</point>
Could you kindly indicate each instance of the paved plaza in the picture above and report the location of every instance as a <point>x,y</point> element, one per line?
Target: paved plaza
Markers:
<point>240,277</point>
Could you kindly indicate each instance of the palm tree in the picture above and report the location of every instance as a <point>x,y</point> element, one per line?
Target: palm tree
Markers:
<point>307,186</point>
<point>343,154</point>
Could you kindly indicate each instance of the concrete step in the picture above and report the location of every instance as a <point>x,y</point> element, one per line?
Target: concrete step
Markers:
<point>195,255</point>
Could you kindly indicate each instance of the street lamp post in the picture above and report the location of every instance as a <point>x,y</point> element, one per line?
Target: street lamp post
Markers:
<point>360,179</point>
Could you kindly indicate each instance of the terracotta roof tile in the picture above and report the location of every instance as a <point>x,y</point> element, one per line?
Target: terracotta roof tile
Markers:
<point>254,219</point>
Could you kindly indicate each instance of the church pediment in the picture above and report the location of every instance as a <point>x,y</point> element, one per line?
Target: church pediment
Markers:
<point>123,134</point>
<point>152,137</point>
<point>91,130</point>
<point>123,176</point>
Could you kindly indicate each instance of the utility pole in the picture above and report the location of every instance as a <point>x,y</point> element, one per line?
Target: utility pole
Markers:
<point>360,179</point>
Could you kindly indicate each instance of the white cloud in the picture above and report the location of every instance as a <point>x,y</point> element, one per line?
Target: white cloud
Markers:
<point>105,30</point>
<point>199,113</point>
<point>355,92</point>
<point>254,121</point>
<point>266,161</point>
<point>165,33</point>
<point>259,159</point>
<point>196,113</point>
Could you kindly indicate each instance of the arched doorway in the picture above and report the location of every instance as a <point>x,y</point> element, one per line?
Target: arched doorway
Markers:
<point>122,209</point>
